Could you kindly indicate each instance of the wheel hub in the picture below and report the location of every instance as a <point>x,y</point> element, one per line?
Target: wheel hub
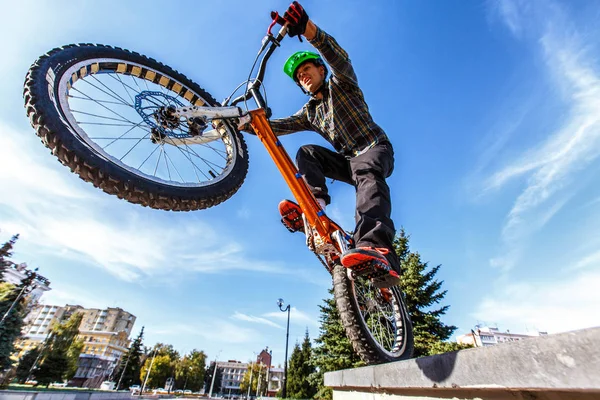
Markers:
<point>150,105</point>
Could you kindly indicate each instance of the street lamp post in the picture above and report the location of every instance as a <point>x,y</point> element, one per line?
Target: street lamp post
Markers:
<point>213,377</point>
<point>24,291</point>
<point>269,370</point>
<point>287,336</point>
<point>250,385</point>
<point>258,384</point>
<point>186,376</point>
<point>148,373</point>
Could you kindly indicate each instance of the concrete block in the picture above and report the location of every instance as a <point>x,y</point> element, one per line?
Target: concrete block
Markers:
<point>564,362</point>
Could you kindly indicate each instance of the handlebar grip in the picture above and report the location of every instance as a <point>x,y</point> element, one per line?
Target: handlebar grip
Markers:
<point>277,18</point>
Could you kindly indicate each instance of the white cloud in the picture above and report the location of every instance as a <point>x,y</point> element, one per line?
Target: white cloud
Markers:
<point>216,332</point>
<point>296,317</point>
<point>590,261</point>
<point>511,13</point>
<point>62,293</point>
<point>560,306</point>
<point>56,213</point>
<point>551,167</point>
<point>250,318</point>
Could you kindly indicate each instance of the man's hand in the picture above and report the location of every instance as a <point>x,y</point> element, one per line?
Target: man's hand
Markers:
<point>296,18</point>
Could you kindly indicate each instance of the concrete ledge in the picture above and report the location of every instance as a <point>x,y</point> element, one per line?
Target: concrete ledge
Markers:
<point>73,395</point>
<point>563,366</point>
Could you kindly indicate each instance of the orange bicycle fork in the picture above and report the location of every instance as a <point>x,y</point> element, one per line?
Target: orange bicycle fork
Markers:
<point>328,230</point>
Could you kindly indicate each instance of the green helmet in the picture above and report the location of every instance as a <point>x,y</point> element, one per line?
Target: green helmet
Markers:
<point>298,58</point>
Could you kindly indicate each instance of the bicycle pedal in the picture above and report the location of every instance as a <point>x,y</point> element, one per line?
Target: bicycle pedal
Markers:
<point>292,225</point>
<point>287,226</point>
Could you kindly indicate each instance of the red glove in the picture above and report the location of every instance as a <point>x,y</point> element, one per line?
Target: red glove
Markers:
<point>296,18</point>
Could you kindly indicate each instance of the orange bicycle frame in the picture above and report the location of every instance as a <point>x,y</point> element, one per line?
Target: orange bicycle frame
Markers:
<point>306,200</point>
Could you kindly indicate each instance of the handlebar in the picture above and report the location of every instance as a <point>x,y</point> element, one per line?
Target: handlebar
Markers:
<point>253,90</point>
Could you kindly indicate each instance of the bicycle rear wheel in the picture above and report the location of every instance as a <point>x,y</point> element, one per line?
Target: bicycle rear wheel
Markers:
<point>97,109</point>
<point>376,321</point>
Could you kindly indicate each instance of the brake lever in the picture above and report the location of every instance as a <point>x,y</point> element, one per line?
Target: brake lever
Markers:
<point>277,19</point>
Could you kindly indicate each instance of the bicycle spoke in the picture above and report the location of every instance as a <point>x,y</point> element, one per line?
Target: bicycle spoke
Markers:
<point>174,167</point>
<point>203,159</point>
<point>121,137</point>
<point>112,138</point>
<point>166,162</point>
<point>99,116</point>
<point>196,168</point>
<point>100,104</point>
<point>147,158</point>
<point>124,87</point>
<point>107,88</point>
<point>158,161</point>
<point>220,153</point>
<point>134,146</point>
<point>98,101</point>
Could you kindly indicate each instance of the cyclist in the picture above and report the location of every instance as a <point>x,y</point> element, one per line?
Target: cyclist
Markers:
<point>363,158</point>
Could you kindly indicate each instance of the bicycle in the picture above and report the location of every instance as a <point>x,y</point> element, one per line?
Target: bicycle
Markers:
<point>124,122</point>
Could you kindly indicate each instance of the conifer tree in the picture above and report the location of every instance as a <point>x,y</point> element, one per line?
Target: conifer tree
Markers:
<point>26,364</point>
<point>13,308</point>
<point>128,373</point>
<point>334,350</point>
<point>299,385</point>
<point>422,293</point>
<point>59,361</point>
<point>5,254</point>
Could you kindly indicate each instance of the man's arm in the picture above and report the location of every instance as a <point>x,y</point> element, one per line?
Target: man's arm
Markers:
<point>299,23</point>
<point>295,123</point>
<point>311,30</point>
<point>332,52</point>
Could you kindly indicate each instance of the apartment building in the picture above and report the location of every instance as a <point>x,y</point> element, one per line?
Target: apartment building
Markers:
<point>105,334</point>
<point>39,321</point>
<point>232,374</point>
<point>489,336</point>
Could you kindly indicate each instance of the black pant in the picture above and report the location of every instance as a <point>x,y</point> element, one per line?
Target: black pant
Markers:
<point>367,173</point>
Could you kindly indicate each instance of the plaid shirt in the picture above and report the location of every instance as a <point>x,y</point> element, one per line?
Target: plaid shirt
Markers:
<point>342,117</point>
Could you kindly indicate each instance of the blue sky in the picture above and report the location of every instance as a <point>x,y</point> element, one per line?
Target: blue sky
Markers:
<point>493,108</point>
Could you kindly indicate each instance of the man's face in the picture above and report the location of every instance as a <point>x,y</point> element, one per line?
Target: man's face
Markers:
<point>310,76</point>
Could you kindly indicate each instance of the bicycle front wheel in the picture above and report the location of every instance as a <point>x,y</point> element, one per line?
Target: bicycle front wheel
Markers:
<point>376,321</point>
<point>97,108</point>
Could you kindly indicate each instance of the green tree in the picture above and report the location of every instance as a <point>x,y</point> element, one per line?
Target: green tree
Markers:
<point>163,366</point>
<point>13,308</point>
<point>130,367</point>
<point>189,371</point>
<point>334,350</point>
<point>423,293</point>
<point>258,373</point>
<point>61,354</point>
<point>26,364</point>
<point>5,254</point>
<point>299,385</point>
